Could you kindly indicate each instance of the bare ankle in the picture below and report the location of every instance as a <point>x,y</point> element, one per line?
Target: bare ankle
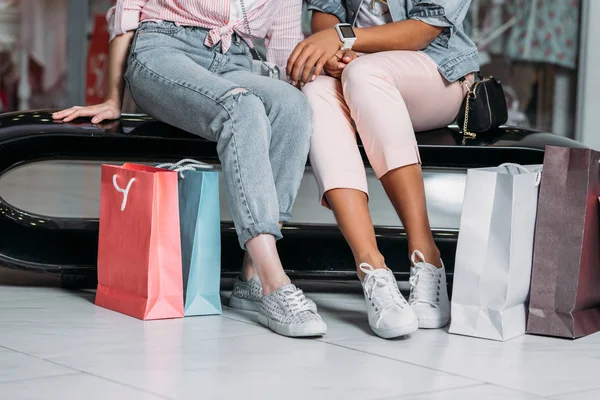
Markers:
<point>273,283</point>
<point>247,274</point>
<point>265,259</point>
<point>248,270</point>
<point>430,252</point>
<point>374,259</point>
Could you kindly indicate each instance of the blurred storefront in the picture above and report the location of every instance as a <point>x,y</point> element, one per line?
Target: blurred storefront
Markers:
<point>533,47</point>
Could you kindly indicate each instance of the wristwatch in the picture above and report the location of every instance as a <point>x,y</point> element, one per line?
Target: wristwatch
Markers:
<point>346,35</point>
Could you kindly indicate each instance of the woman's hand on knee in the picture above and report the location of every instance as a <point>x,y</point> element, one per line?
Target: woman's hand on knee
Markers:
<point>310,56</point>
<point>108,110</point>
<point>336,65</point>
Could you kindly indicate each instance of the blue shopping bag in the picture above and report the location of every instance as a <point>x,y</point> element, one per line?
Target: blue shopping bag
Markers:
<point>200,225</point>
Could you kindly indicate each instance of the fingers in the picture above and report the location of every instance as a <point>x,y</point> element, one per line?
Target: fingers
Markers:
<point>103,115</point>
<point>334,66</point>
<point>82,112</point>
<point>337,68</point>
<point>63,113</point>
<point>319,67</point>
<point>348,56</point>
<point>293,58</point>
<point>100,112</point>
<point>334,63</point>
<point>334,73</point>
<point>311,63</point>
<point>300,64</point>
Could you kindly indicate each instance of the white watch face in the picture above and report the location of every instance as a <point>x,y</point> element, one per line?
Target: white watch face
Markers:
<point>347,32</point>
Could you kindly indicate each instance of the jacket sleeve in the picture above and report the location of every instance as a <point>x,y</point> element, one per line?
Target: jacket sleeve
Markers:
<point>447,14</point>
<point>333,7</point>
<point>124,16</point>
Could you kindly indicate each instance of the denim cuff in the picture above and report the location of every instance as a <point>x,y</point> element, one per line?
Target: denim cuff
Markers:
<point>440,22</point>
<point>285,217</point>
<point>328,7</point>
<point>259,229</point>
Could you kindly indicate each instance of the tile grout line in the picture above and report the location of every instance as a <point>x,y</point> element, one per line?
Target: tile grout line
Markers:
<point>481,383</point>
<point>436,370</point>
<point>401,361</point>
<point>243,322</point>
<point>475,385</point>
<point>89,374</point>
<point>53,296</point>
<point>39,378</point>
<point>557,395</point>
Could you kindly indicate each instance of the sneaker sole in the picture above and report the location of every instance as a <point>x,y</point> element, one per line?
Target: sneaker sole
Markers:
<point>242,304</point>
<point>250,305</point>
<point>314,329</point>
<point>397,332</point>
<point>432,323</point>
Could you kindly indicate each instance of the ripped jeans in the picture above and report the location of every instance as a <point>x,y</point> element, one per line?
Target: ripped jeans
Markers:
<point>262,126</point>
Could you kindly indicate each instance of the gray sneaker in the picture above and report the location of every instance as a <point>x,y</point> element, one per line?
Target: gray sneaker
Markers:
<point>247,295</point>
<point>287,312</point>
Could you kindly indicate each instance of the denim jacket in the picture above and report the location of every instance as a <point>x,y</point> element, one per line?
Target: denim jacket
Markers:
<point>453,51</point>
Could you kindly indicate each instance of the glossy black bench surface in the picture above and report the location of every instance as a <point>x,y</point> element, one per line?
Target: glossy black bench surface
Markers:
<point>68,245</point>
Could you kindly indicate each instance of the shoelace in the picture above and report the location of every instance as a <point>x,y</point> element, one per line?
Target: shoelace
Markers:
<point>424,284</point>
<point>391,296</point>
<point>295,300</point>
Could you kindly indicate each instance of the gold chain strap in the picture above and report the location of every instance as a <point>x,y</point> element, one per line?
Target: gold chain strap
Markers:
<point>470,92</point>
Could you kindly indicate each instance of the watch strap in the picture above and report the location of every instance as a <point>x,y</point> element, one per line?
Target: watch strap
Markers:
<point>347,44</point>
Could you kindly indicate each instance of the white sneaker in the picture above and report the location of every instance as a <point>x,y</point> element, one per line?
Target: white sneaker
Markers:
<point>429,293</point>
<point>389,314</point>
<point>288,312</point>
<point>246,295</point>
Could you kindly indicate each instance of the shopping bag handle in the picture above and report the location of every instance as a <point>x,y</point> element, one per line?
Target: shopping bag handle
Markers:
<point>124,191</point>
<point>538,178</point>
<point>181,164</point>
<point>187,164</point>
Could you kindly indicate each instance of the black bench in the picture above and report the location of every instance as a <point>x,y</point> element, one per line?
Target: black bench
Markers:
<point>67,246</point>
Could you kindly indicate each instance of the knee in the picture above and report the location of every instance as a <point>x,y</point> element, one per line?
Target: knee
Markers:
<point>301,108</point>
<point>294,110</point>
<point>300,121</point>
<point>322,89</point>
<point>240,100</point>
<point>242,116</point>
<point>292,105</point>
<point>246,108</point>
<point>359,73</point>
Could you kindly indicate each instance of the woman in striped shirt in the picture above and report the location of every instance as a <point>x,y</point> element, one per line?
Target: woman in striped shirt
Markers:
<point>188,63</point>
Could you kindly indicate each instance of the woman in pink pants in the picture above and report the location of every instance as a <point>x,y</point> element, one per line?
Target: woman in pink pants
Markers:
<point>393,68</point>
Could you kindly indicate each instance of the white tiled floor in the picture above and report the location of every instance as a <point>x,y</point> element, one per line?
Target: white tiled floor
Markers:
<point>57,345</point>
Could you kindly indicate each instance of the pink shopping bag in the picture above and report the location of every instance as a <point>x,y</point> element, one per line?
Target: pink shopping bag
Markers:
<point>139,248</point>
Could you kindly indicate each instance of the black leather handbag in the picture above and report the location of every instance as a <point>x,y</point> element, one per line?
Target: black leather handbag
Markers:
<point>484,107</point>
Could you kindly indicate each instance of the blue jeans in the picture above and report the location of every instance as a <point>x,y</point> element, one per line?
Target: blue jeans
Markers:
<point>262,126</point>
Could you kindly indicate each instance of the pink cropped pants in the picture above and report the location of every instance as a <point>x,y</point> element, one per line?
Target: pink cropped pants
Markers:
<point>388,96</point>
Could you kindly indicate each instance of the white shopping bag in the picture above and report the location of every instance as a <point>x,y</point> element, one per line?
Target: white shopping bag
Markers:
<point>494,253</point>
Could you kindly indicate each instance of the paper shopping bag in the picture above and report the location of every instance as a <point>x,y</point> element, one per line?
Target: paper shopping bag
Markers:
<point>494,252</point>
<point>139,248</point>
<point>200,224</point>
<point>565,282</point>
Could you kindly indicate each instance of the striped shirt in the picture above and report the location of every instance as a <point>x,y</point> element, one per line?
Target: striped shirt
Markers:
<point>279,22</point>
